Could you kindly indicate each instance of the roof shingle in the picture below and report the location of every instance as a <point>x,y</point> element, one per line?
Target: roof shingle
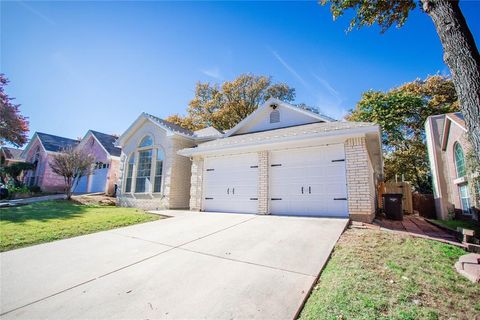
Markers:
<point>55,143</point>
<point>108,142</point>
<point>171,126</point>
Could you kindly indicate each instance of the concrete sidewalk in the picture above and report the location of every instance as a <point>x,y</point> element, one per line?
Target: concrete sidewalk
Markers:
<point>203,265</point>
<point>17,202</point>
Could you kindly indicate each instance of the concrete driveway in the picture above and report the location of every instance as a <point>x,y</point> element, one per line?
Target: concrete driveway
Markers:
<point>194,265</point>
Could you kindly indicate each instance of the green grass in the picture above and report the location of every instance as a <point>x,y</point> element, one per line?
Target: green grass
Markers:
<point>52,220</point>
<point>453,224</point>
<point>380,275</point>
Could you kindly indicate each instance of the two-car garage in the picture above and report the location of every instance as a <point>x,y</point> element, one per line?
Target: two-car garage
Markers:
<point>301,181</point>
<point>284,160</point>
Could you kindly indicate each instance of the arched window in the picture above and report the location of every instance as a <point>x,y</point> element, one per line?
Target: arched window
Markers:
<point>146,142</point>
<point>157,187</point>
<point>274,116</point>
<point>459,160</point>
<point>129,173</point>
<point>147,163</point>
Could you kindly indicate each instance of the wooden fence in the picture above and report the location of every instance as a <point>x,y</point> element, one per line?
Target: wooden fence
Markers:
<point>397,187</point>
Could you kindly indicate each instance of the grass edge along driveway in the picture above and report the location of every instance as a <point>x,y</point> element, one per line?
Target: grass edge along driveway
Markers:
<point>382,275</point>
<point>47,221</point>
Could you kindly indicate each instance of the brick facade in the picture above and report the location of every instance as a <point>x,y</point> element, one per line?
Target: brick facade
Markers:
<point>196,184</point>
<point>176,171</point>
<point>360,181</point>
<point>42,176</point>
<point>263,182</point>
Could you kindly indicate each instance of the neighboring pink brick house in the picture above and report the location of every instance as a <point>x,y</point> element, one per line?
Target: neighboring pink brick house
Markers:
<point>107,162</point>
<point>9,156</point>
<point>455,192</point>
<point>40,151</point>
<point>42,147</point>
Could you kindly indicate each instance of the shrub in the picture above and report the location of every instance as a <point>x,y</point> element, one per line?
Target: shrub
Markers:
<point>34,189</point>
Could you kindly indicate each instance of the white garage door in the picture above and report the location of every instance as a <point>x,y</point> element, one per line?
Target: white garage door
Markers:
<point>231,183</point>
<point>98,180</point>
<point>309,181</point>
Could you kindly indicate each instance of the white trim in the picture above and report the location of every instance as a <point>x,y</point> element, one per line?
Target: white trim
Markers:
<point>128,132</point>
<point>268,143</point>
<point>138,122</point>
<point>446,130</point>
<point>460,180</point>
<point>25,151</point>
<point>458,124</point>
<point>267,104</point>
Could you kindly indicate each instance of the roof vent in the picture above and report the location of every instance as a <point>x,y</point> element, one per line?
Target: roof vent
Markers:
<point>275,116</point>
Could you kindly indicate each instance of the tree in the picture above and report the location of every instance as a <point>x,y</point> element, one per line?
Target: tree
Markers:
<point>460,51</point>
<point>15,170</point>
<point>72,164</point>
<point>223,106</point>
<point>13,126</point>
<point>402,112</point>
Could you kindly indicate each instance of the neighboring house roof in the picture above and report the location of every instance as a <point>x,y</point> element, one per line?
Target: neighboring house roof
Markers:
<point>271,136</point>
<point>12,154</point>
<point>55,143</point>
<point>108,142</point>
<point>456,118</point>
<point>277,102</point>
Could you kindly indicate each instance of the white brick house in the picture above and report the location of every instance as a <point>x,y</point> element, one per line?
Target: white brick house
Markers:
<point>279,160</point>
<point>152,174</point>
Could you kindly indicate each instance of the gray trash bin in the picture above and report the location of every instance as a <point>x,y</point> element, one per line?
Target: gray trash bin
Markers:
<point>392,206</point>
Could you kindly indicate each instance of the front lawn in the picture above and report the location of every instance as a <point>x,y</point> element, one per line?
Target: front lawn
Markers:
<point>453,224</point>
<point>52,220</point>
<point>381,275</point>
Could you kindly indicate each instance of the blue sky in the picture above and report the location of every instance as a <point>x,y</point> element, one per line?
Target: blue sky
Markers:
<point>75,66</point>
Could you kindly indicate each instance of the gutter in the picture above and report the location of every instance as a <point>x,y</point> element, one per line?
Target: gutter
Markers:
<point>278,141</point>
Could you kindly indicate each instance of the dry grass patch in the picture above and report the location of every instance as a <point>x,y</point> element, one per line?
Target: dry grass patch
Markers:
<point>381,275</point>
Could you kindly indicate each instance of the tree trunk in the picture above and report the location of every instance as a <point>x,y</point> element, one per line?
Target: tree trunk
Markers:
<point>462,57</point>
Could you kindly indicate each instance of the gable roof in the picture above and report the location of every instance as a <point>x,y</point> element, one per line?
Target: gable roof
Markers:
<point>274,101</point>
<point>108,142</point>
<point>12,153</point>
<point>166,125</point>
<point>55,143</point>
<point>456,118</point>
<point>170,126</point>
<point>207,132</point>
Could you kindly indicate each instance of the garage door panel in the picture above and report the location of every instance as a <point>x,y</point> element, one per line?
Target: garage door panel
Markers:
<point>98,180</point>
<point>81,187</point>
<point>321,173</point>
<point>231,183</point>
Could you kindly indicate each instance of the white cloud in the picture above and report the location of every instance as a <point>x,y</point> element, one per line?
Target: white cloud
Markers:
<point>213,72</point>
